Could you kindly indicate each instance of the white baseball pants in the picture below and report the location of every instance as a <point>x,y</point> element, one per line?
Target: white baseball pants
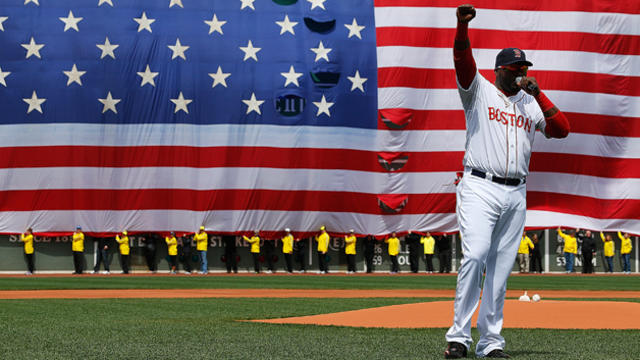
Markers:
<point>491,218</point>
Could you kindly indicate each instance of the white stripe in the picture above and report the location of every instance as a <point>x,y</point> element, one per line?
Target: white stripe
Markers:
<point>584,185</point>
<point>318,137</point>
<point>569,101</point>
<point>549,219</point>
<point>232,220</point>
<point>293,137</point>
<point>512,20</point>
<point>556,60</point>
<point>225,178</point>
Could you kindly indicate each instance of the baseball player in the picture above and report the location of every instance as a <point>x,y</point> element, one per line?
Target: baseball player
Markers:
<point>501,121</point>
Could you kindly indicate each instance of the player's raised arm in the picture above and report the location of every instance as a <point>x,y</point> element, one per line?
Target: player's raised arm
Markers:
<point>462,57</point>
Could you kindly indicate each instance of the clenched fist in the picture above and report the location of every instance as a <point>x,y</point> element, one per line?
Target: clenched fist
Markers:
<point>465,13</point>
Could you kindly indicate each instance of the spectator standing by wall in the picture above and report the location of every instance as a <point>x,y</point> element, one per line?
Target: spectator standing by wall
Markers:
<point>443,245</point>
<point>413,242</point>
<point>428,244</point>
<point>323,247</point>
<point>523,252</point>
<point>536,256</point>
<point>570,249</point>
<point>609,251</point>
<point>255,250</point>
<point>123,249</point>
<point>102,254</point>
<point>77,248</point>
<point>150,246</point>
<point>625,251</point>
<point>27,239</point>
<point>393,250</point>
<point>172,251</point>
<point>230,253</point>
<point>299,246</point>
<point>369,244</point>
<point>269,247</point>
<point>185,250</point>
<point>202,244</point>
<point>287,250</point>
<point>588,250</point>
<point>350,250</point>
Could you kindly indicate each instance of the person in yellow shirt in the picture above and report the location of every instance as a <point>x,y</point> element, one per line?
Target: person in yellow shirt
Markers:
<point>625,251</point>
<point>523,252</point>
<point>570,249</point>
<point>287,249</point>
<point>393,249</point>
<point>323,247</point>
<point>202,242</point>
<point>429,243</point>
<point>172,251</point>
<point>255,249</point>
<point>77,248</point>
<point>27,239</point>
<point>123,247</point>
<point>350,250</point>
<point>609,250</point>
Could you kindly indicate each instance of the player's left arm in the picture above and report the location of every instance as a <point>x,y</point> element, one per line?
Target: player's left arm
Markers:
<point>557,123</point>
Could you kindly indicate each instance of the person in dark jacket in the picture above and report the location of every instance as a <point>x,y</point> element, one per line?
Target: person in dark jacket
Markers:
<point>102,254</point>
<point>150,246</point>
<point>413,242</point>
<point>268,248</point>
<point>588,250</point>
<point>535,264</point>
<point>369,245</point>
<point>299,246</point>
<point>230,253</point>
<point>443,244</point>
<point>185,249</point>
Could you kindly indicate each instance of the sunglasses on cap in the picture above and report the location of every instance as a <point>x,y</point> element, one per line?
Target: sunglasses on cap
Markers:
<point>515,68</point>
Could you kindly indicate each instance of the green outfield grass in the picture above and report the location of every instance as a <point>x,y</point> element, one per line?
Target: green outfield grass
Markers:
<point>537,282</point>
<point>208,329</point>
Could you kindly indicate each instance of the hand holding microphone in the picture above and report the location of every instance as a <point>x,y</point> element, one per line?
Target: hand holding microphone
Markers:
<point>528,84</point>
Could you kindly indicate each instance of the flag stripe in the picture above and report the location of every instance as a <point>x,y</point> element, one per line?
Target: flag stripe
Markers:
<point>548,80</point>
<point>490,39</point>
<point>585,206</point>
<point>547,5</point>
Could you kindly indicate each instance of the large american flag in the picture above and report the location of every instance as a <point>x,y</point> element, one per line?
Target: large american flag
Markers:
<point>246,115</point>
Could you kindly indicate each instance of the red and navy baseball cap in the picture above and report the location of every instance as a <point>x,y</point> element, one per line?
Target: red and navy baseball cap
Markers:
<point>510,56</point>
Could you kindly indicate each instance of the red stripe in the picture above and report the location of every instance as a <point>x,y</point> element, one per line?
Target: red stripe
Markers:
<point>495,39</point>
<point>201,200</point>
<point>548,80</point>
<point>213,157</point>
<point>625,7</point>
<point>594,124</point>
<point>585,165</point>
<point>583,206</point>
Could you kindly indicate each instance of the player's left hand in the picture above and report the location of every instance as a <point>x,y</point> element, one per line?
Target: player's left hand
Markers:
<point>529,85</point>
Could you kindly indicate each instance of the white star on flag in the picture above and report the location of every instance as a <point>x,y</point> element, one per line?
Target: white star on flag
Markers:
<point>107,48</point>
<point>144,23</point>
<point>3,75</point>
<point>100,2</point>
<point>323,106</point>
<point>357,81</point>
<point>321,52</point>
<point>354,29</point>
<point>178,50</point>
<point>247,3</point>
<point>33,1</point>
<point>109,103</point>
<point>32,48</point>
<point>215,24</point>
<point>71,22</point>
<point>34,103</point>
<point>250,51</point>
<point>286,25</point>
<point>219,78</point>
<point>2,19</point>
<point>74,75</point>
<point>253,104</point>
<point>176,2</point>
<point>147,77</point>
<point>181,103</point>
<point>317,3</point>
<point>291,77</point>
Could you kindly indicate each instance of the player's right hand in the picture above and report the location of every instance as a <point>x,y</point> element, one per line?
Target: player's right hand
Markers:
<point>465,13</point>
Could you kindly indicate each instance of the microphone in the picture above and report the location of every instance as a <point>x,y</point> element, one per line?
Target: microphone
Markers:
<point>530,86</point>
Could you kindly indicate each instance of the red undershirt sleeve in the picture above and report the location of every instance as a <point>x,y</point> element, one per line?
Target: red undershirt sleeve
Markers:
<point>462,57</point>
<point>557,122</point>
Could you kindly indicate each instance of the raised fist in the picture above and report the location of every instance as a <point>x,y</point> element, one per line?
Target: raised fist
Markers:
<point>465,13</point>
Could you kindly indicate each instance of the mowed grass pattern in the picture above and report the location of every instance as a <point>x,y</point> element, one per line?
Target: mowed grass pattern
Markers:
<point>212,328</point>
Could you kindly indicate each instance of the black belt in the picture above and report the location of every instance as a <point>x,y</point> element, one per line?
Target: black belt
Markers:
<point>499,180</point>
